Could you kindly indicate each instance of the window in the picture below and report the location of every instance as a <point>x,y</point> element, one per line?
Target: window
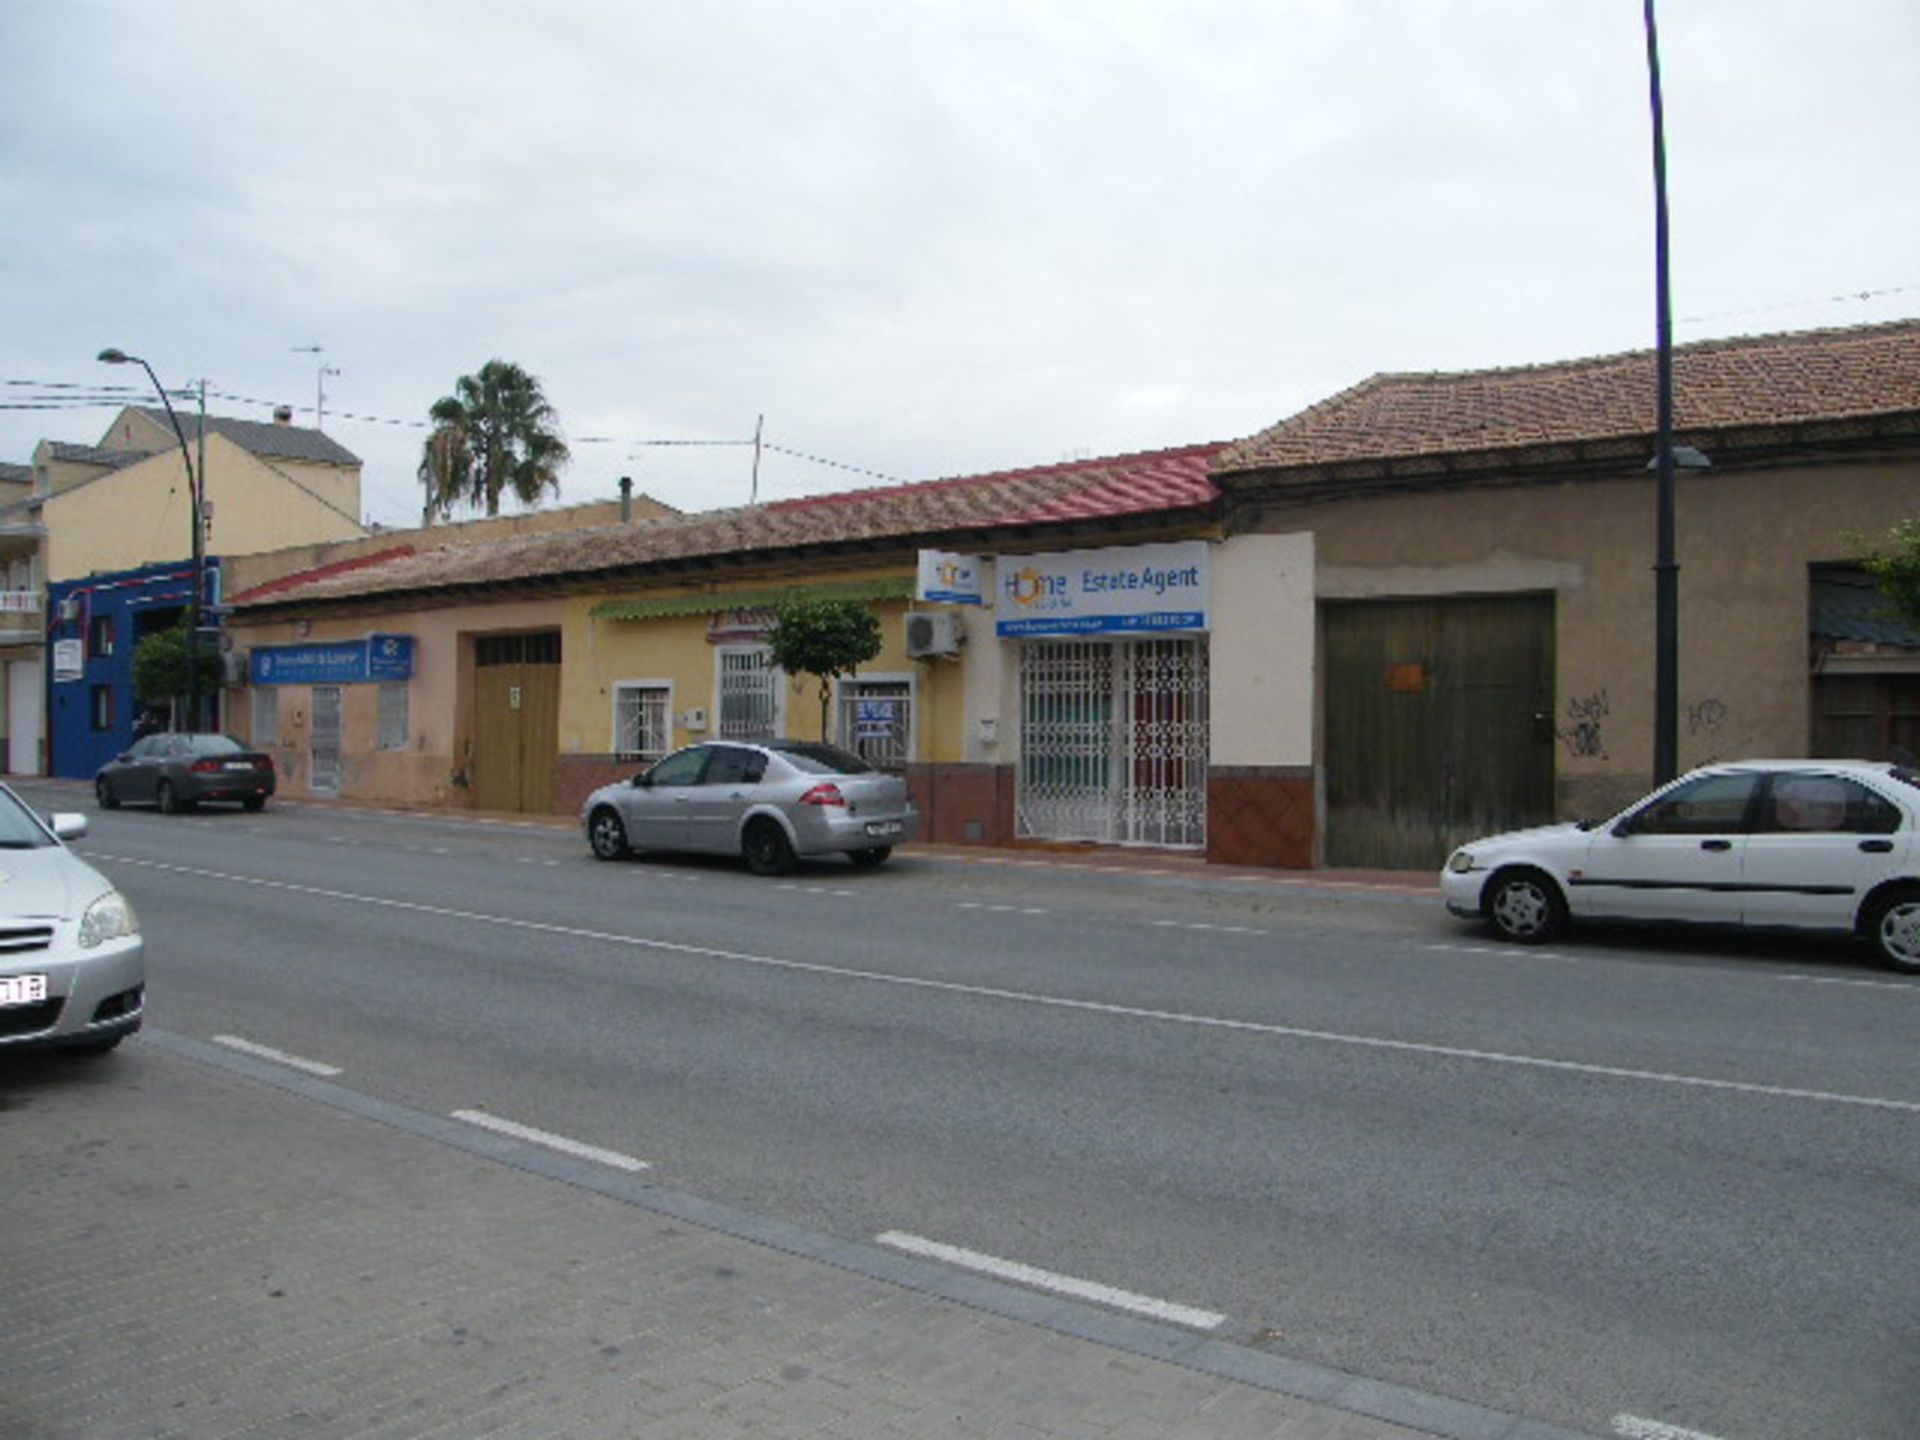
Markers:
<point>1828,804</point>
<point>732,765</point>
<point>1711,805</point>
<point>875,721</point>
<point>393,717</point>
<point>749,694</point>
<point>100,635</point>
<point>100,707</point>
<point>266,716</point>
<point>680,768</point>
<point>642,711</point>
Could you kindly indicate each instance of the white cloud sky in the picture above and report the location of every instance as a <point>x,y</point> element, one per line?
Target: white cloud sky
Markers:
<point>921,238</point>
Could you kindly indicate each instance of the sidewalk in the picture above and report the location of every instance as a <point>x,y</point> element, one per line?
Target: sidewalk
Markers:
<point>199,1245</point>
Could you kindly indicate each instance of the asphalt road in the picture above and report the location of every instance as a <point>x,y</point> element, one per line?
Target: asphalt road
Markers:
<point>1642,1186</point>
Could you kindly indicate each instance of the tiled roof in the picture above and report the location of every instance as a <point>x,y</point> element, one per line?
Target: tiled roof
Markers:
<point>285,442</point>
<point>16,474</point>
<point>94,455</point>
<point>1104,489</point>
<point>1719,385</point>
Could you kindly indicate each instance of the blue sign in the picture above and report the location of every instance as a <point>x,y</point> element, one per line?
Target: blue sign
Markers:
<point>334,662</point>
<point>1126,590</point>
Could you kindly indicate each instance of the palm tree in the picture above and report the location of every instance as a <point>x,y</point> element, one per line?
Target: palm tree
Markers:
<point>495,433</point>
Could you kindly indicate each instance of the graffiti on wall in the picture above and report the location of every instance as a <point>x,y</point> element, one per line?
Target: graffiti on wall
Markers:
<point>1584,734</point>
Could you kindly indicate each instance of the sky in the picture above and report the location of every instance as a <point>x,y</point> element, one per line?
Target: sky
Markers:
<point>919,238</point>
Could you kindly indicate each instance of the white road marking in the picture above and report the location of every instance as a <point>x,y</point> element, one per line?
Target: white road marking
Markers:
<point>1048,1280</point>
<point>1634,1427</point>
<point>279,1057</point>
<point>1906,985</point>
<point>1203,925</point>
<point>998,909</point>
<point>1504,952</point>
<point>1032,997</point>
<point>550,1140</point>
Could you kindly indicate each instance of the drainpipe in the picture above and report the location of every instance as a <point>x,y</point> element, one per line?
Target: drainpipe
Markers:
<point>626,498</point>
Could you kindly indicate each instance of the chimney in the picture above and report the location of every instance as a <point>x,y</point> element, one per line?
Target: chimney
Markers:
<point>626,498</point>
<point>283,414</point>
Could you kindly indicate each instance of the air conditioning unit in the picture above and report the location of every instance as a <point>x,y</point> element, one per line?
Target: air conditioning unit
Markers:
<point>69,607</point>
<point>934,632</point>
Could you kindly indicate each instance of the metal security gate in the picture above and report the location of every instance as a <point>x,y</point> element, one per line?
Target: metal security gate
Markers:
<point>1113,742</point>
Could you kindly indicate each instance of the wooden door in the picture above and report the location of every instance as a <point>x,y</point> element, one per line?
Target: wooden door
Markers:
<point>516,721</point>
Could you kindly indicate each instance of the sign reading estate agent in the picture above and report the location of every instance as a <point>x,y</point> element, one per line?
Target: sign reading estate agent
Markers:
<point>1128,590</point>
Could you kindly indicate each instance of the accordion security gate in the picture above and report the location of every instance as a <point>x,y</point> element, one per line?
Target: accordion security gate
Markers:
<point>1113,742</point>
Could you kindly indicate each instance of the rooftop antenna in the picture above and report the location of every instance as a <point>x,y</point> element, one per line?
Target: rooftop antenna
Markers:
<point>319,383</point>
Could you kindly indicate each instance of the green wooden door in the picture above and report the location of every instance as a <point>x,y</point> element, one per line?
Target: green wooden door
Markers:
<point>1439,725</point>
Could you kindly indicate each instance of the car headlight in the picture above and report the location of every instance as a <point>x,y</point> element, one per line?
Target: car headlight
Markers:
<point>108,918</point>
<point>1460,862</point>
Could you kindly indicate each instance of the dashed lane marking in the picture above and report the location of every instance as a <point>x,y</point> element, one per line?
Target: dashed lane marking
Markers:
<point>1049,1280</point>
<point>279,1057</point>
<point>550,1141</point>
<point>1635,1427</point>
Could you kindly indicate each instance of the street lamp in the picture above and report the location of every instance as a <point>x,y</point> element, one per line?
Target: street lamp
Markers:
<point>120,357</point>
<point>1666,569</point>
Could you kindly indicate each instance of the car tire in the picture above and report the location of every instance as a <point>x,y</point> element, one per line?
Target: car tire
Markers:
<point>1893,928</point>
<point>167,801</point>
<point>870,858</point>
<point>766,849</point>
<point>255,803</point>
<point>103,792</point>
<point>1524,906</point>
<point>607,835</point>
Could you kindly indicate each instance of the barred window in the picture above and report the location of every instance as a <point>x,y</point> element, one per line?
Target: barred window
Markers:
<point>266,715</point>
<point>876,721</point>
<point>749,694</point>
<point>393,717</point>
<point>641,719</point>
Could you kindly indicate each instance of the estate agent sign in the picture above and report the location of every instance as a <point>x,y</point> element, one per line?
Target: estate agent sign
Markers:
<point>1126,590</point>
<point>334,662</point>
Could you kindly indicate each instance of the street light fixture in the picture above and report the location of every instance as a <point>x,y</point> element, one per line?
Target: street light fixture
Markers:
<point>1666,569</point>
<point>112,356</point>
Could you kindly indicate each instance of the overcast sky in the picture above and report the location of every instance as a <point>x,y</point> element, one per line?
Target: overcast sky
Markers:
<point>922,239</point>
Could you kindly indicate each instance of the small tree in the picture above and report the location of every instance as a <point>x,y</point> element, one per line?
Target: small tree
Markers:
<point>1896,571</point>
<point>160,673</point>
<point>825,638</point>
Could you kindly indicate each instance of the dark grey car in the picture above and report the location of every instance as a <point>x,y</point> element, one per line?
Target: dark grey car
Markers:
<point>770,802</point>
<point>177,772</point>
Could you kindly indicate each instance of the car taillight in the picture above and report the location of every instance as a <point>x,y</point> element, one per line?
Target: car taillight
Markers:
<point>825,793</point>
<point>203,767</point>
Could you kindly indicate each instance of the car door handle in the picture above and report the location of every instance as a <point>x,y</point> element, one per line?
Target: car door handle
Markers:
<point>1716,844</point>
<point>1877,847</point>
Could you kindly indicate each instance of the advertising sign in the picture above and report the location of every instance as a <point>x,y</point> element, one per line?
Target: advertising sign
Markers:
<point>69,659</point>
<point>949,577</point>
<point>334,662</point>
<point>1127,590</point>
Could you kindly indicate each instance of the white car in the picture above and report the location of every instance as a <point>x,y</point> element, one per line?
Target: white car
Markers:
<point>72,961</point>
<point>1815,845</point>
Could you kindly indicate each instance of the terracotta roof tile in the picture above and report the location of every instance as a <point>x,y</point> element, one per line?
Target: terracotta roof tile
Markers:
<point>1166,480</point>
<point>1721,384</point>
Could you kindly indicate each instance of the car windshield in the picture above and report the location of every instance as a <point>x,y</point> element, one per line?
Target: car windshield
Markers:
<point>213,745</point>
<point>20,829</point>
<point>817,759</point>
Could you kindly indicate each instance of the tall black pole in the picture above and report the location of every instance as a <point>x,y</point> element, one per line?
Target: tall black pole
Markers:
<point>1666,570</point>
<point>120,357</point>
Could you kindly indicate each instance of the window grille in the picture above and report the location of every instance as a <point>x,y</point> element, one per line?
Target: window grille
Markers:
<point>876,721</point>
<point>640,721</point>
<point>749,695</point>
<point>393,717</point>
<point>266,716</point>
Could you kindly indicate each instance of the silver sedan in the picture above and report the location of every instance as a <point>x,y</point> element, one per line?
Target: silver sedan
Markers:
<point>771,802</point>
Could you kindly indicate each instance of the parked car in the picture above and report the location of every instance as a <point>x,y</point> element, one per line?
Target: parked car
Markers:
<point>1815,845</point>
<point>72,962</point>
<point>177,772</point>
<point>771,802</point>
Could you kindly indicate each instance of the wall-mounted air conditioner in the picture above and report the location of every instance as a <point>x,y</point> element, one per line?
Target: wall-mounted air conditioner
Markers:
<point>70,607</point>
<point>934,632</point>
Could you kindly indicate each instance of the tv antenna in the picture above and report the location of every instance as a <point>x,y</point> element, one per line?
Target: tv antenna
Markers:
<point>319,382</point>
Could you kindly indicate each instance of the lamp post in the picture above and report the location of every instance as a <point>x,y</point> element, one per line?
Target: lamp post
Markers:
<point>120,357</point>
<point>1666,569</point>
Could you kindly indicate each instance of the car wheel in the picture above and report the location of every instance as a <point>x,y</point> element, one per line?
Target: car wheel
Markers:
<point>103,792</point>
<point>1894,928</point>
<point>168,802</point>
<point>868,859</point>
<point>1525,906</point>
<point>607,835</point>
<point>255,803</point>
<point>767,849</point>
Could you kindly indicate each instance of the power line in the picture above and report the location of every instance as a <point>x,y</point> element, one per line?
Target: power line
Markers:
<point>1848,297</point>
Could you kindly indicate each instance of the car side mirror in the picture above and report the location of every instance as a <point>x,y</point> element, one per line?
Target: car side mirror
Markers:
<point>68,826</point>
<point>123,757</point>
<point>642,780</point>
<point>1629,826</point>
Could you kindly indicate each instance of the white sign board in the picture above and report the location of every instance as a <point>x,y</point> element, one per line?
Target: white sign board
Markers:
<point>69,659</point>
<point>949,577</point>
<point>1126,590</point>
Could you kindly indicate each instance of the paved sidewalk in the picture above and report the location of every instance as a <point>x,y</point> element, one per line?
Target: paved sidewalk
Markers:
<point>197,1246</point>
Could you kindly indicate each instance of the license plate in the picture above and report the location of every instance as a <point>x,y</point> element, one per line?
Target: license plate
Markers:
<point>22,989</point>
<point>883,827</point>
<point>239,765</point>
